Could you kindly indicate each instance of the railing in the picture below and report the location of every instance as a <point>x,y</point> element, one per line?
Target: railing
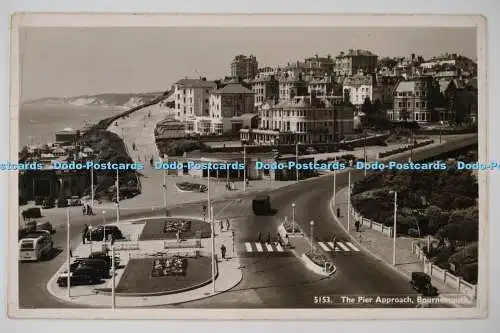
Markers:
<point>380,227</point>
<point>186,244</point>
<point>447,278</point>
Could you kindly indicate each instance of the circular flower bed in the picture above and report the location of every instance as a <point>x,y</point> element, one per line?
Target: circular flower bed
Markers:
<point>169,266</point>
<point>177,225</point>
<point>291,226</point>
<point>192,187</point>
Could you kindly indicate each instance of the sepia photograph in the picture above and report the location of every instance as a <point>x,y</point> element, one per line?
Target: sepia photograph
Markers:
<point>247,166</point>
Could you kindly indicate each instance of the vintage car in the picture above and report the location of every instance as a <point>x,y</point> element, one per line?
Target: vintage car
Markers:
<point>79,275</point>
<point>105,232</point>
<point>31,213</point>
<point>421,282</point>
<point>101,266</point>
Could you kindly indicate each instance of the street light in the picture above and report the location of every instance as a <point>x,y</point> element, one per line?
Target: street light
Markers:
<point>244,168</point>
<point>113,269</point>
<point>212,222</point>
<point>165,157</point>
<point>364,150</point>
<point>90,237</point>
<point>349,204</point>
<point>68,250</point>
<point>293,218</point>
<point>440,131</point>
<point>312,234</point>
<point>394,229</point>
<point>104,228</point>
<point>296,161</point>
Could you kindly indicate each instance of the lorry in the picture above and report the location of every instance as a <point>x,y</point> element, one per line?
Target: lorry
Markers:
<point>261,205</point>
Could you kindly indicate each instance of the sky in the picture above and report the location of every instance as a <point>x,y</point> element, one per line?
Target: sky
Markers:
<point>64,62</point>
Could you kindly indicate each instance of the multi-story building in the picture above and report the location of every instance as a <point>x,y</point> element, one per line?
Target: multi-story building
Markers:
<point>359,87</point>
<point>268,70</point>
<point>415,100</point>
<point>244,68</point>
<point>450,62</point>
<point>301,119</point>
<point>192,100</point>
<point>265,87</point>
<point>321,64</point>
<point>383,91</point>
<point>321,86</point>
<point>347,64</point>
<point>170,129</point>
<point>291,84</point>
<point>231,101</point>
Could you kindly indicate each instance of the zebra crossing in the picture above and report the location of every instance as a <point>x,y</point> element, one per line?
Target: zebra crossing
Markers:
<point>339,247</point>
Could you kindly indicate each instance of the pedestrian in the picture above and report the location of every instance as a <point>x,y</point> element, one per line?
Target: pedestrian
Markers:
<point>84,233</point>
<point>227,224</point>
<point>268,238</point>
<point>338,212</point>
<point>84,210</point>
<point>357,225</point>
<point>259,237</point>
<point>221,225</point>
<point>71,253</point>
<point>286,241</point>
<point>278,239</point>
<point>223,251</point>
<point>334,242</point>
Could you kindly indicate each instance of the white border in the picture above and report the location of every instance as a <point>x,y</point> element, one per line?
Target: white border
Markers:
<point>157,20</point>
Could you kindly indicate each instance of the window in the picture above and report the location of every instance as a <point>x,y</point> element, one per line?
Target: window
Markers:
<point>400,104</point>
<point>417,104</point>
<point>416,116</point>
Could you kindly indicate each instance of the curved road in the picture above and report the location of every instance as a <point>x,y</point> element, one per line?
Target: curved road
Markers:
<point>269,280</point>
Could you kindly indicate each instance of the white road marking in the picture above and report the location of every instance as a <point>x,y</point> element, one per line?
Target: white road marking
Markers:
<point>324,247</point>
<point>343,247</point>
<point>269,247</point>
<point>279,248</point>
<point>351,245</point>
<point>336,247</point>
<point>259,247</point>
<point>248,247</point>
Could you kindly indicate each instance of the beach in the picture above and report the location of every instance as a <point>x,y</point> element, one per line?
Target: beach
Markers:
<point>38,123</point>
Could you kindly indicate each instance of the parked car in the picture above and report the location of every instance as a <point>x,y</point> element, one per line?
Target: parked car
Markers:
<point>39,200</point>
<point>61,202</point>
<point>104,256</point>
<point>105,232</point>
<point>75,201</point>
<point>421,282</point>
<point>79,275</point>
<point>48,203</point>
<point>31,213</point>
<point>311,150</point>
<point>99,265</point>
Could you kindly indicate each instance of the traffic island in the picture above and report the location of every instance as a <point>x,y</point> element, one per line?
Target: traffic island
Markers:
<point>316,261</point>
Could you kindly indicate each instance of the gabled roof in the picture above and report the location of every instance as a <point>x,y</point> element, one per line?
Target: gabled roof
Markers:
<point>233,88</point>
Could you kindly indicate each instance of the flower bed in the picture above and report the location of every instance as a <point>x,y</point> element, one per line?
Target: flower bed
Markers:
<point>405,148</point>
<point>170,266</point>
<point>291,226</point>
<point>191,187</point>
<point>177,225</point>
<point>317,257</point>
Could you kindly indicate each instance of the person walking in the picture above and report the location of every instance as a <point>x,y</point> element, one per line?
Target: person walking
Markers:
<point>221,225</point>
<point>268,241</point>
<point>338,212</point>
<point>84,233</point>
<point>223,251</point>
<point>259,237</point>
<point>227,224</point>
<point>287,243</point>
<point>84,210</point>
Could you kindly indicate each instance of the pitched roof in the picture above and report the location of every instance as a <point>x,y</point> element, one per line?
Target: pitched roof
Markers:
<point>406,86</point>
<point>196,83</point>
<point>233,88</point>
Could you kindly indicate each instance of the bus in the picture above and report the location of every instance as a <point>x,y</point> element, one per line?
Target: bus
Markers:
<point>35,246</point>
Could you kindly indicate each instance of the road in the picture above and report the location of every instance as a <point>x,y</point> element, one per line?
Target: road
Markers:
<point>270,280</point>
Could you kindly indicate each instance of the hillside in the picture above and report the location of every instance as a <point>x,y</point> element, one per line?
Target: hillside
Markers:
<point>126,101</point>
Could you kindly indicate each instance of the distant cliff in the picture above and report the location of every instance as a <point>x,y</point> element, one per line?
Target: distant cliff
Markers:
<point>110,100</point>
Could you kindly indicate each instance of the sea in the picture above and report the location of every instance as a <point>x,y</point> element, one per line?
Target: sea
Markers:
<point>39,122</point>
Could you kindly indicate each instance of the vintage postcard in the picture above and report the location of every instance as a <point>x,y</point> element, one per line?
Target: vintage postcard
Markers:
<point>248,166</point>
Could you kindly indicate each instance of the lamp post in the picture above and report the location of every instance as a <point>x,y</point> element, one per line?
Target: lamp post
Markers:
<point>104,228</point>
<point>293,218</point>
<point>440,131</point>
<point>334,182</point>
<point>312,234</point>
<point>349,204</point>
<point>364,150</point>
<point>90,237</point>
<point>113,269</point>
<point>244,168</point>
<point>117,196</point>
<point>92,188</point>
<point>296,162</point>
<point>68,250</point>
<point>394,230</point>
<point>165,157</point>
<point>212,222</point>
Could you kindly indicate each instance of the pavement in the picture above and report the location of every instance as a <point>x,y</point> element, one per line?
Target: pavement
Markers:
<point>270,279</point>
<point>381,246</point>
<point>229,272</point>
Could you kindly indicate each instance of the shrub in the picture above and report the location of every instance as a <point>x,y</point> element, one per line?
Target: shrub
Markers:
<point>317,257</point>
<point>291,226</point>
